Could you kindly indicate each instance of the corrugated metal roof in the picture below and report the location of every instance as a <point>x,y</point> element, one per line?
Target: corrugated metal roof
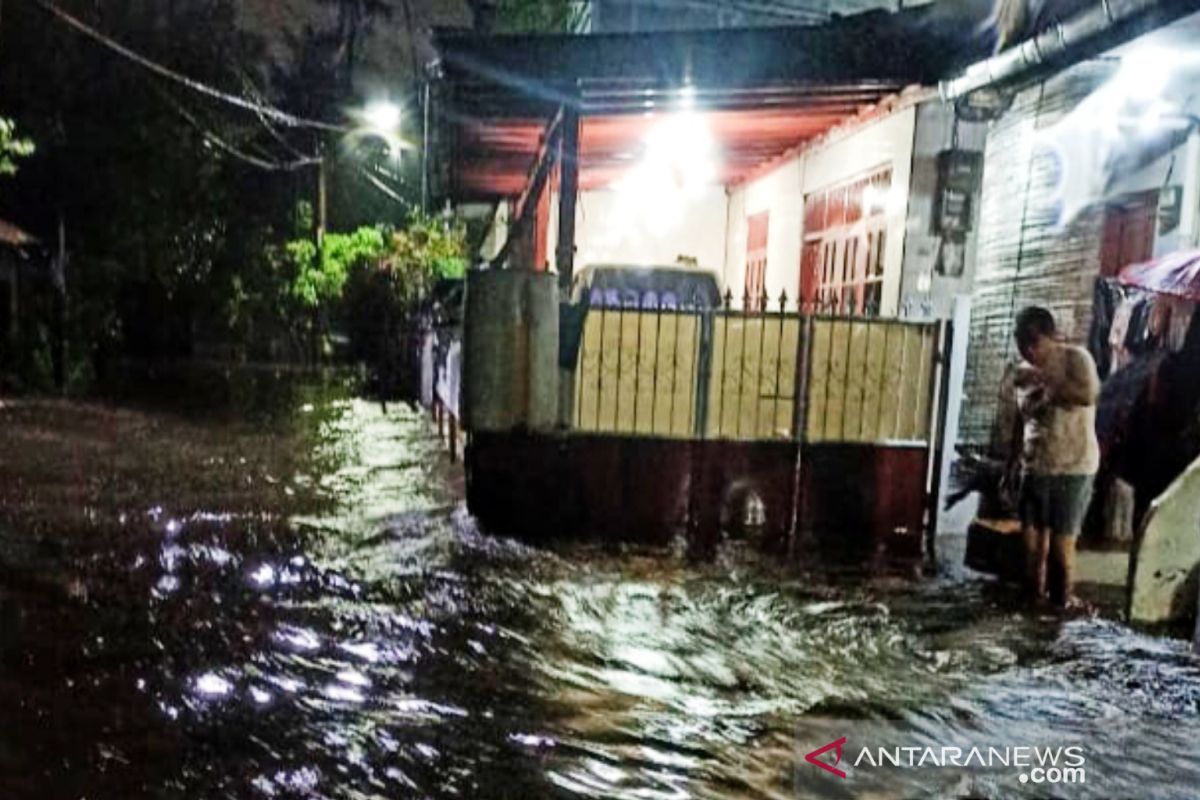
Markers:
<point>493,159</point>
<point>762,91</point>
<point>914,45</point>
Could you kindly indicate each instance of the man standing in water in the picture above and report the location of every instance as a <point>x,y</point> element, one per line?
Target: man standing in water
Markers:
<point>1057,386</point>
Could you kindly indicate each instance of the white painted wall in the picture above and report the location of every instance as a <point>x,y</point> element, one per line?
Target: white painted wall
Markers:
<point>923,291</point>
<point>886,142</point>
<point>711,226</point>
<point>779,193</point>
<point>497,233</point>
<point>1169,170</point>
<point>611,230</point>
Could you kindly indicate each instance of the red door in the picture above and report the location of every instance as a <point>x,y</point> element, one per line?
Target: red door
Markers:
<point>810,273</point>
<point>756,259</point>
<point>1128,233</point>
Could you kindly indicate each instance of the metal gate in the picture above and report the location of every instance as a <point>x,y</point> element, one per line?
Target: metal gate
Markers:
<point>737,374</point>
<point>860,400</point>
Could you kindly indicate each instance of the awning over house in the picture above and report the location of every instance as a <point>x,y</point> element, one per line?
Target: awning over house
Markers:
<point>1177,274</point>
<point>761,91</point>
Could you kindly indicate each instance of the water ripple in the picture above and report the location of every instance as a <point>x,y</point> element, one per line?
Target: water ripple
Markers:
<point>384,646</point>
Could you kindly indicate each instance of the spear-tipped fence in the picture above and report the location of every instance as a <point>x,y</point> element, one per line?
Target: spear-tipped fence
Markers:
<point>660,367</point>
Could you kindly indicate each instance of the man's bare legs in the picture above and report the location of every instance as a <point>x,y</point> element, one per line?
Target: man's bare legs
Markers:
<point>1062,587</point>
<point>1037,551</point>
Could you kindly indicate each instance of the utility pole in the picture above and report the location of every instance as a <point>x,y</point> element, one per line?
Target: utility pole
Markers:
<point>568,164</point>
<point>425,98</point>
<point>320,206</point>
<point>320,220</point>
<point>59,351</point>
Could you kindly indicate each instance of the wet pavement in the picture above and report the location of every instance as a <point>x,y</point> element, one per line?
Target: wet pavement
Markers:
<point>286,599</point>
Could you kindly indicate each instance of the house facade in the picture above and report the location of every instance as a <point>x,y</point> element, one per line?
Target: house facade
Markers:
<point>846,222</point>
<point>1089,169</point>
<point>783,159</point>
<point>810,174</point>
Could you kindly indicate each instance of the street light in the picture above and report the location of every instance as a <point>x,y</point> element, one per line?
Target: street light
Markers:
<point>376,141</point>
<point>382,118</point>
<point>378,120</point>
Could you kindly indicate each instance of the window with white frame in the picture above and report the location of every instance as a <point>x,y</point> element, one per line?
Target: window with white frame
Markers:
<point>845,246</point>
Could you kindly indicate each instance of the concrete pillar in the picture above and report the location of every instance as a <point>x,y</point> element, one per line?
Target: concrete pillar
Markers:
<point>510,374</point>
<point>958,519</point>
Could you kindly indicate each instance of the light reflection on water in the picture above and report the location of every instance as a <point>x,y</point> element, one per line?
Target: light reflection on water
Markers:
<point>385,647</point>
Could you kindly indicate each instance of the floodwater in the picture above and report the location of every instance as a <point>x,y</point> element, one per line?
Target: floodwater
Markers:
<point>284,598</point>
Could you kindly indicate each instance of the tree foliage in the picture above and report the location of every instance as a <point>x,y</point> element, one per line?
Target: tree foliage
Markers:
<point>174,244</point>
<point>425,251</point>
<point>539,16</point>
<point>155,226</point>
<point>402,264</point>
<point>319,282</point>
<point>12,147</point>
<point>385,298</point>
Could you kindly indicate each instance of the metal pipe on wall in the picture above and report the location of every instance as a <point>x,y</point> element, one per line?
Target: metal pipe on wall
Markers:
<point>1059,42</point>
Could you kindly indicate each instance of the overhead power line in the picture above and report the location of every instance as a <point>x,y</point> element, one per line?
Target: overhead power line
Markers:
<point>253,91</point>
<point>272,113</point>
<point>232,150</point>
<point>266,164</point>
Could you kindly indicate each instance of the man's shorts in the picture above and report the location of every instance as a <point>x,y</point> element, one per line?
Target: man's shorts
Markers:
<point>1057,503</point>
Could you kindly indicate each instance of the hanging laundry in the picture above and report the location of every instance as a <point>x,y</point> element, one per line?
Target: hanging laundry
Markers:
<point>1140,335</point>
<point>1118,335</point>
<point>1106,297</point>
<point>1180,322</point>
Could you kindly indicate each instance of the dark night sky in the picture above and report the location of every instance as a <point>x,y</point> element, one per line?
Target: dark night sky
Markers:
<point>388,60</point>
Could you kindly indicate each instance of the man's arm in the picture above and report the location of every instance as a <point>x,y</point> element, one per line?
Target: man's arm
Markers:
<point>1080,383</point>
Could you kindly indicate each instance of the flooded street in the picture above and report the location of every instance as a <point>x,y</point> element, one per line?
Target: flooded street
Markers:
<point>288,600</point>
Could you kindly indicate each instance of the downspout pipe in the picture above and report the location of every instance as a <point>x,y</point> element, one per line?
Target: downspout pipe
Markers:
<point>1066,42</point>
<point>1189,223</point>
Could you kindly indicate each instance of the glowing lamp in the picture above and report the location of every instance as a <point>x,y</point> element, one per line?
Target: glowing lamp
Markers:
<point>383,118</point>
